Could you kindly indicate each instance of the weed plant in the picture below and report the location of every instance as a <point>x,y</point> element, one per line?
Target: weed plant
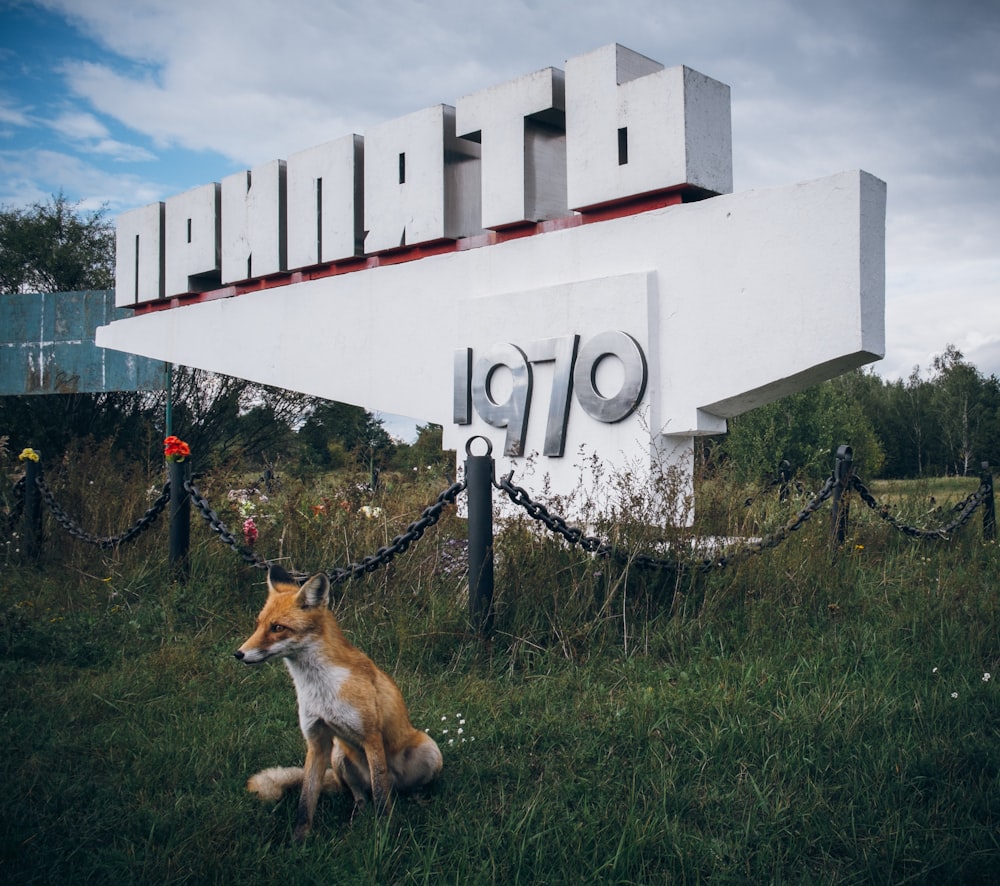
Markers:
<point>797,716</point>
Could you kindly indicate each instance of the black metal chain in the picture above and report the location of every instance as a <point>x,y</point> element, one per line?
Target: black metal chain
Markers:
<point>428,517</point>
<point>574,535</point>
<point>782,482</point>
<point>965,509</point>
<point>775,538</point>
<point>104,542</point>
<point>519,496</point>
<point>553,522</point>
<point>225,536</point>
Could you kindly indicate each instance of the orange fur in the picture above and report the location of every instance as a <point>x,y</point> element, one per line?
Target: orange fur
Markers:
<point>351,712</point>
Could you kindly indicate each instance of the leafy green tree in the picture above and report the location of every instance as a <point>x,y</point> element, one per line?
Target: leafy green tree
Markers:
<point>910,410</point>
<point>51,422</point>
<point>988,447</point>
<point>426,453</point>
<point>219,416</point>
<point>52,247</point>
<point>961,398</point>
<point>805,428</point>
<point>874,396</point>
<point>946,422</point>
<point>353,429</point>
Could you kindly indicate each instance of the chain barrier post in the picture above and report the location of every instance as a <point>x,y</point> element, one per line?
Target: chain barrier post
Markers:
<point>32,540</point>
<point>180,517</point>
<point>842,477</point>
<point>989,505</point>
<point>479,471</point>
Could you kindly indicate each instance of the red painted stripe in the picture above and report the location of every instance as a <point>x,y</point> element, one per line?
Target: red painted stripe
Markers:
<point>605,212</point>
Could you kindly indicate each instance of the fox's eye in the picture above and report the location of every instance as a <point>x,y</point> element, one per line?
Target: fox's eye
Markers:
<point>278,628</point>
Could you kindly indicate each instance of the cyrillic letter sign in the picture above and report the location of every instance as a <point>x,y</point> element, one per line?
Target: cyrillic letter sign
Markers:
<point>557,264</point>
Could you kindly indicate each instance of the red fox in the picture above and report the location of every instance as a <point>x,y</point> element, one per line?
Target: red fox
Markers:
<point>351,713</point>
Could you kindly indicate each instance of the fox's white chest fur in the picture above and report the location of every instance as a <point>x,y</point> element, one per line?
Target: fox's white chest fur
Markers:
<point>318,689</point>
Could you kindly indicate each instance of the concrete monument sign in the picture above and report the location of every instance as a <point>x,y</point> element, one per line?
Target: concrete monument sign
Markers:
<point>557,263</point>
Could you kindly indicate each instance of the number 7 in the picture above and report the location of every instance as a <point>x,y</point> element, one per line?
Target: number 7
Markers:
<point>563,351</point>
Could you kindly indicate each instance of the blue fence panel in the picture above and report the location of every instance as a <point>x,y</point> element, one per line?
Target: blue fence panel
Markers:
<point>47,347</point>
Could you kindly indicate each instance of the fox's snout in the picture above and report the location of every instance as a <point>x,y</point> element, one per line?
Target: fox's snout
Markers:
<point>251,656</point>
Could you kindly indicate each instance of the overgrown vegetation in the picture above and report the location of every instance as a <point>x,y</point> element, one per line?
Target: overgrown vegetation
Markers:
<point>942,421</point>
<point>794,718</point>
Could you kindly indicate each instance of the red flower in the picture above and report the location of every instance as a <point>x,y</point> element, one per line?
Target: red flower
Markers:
<point>175,449</point>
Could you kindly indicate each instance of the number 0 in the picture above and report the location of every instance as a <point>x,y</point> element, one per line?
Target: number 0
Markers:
<point>622,404</point>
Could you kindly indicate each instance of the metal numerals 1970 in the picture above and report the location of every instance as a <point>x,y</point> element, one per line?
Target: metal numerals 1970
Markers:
<point>575,371</point>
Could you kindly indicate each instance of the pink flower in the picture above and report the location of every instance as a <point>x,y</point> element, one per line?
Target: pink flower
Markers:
<point>250,532</point>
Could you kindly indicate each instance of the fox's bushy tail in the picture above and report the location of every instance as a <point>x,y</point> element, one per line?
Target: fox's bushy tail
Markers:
<point>270,784</point>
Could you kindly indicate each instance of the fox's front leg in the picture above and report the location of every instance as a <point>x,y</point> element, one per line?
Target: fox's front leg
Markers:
<point>379,771</point>
<point>319,743</point>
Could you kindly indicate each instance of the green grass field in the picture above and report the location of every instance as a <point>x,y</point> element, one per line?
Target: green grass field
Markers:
<point>795,718</point>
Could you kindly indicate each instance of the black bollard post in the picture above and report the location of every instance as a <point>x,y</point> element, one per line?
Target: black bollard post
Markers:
<point>842,475</point>
<point>989,505</point>
<point>180,517</point>
<point>479,491</point>
<point>32,540</point>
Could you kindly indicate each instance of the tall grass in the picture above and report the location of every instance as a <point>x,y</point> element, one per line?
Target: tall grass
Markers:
<point>795,717</point>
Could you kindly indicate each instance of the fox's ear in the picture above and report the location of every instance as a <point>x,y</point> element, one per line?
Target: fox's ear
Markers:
<point>315,592</point>
<point>277,576</point>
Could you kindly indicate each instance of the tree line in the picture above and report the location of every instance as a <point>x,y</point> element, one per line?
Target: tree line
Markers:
<point>944,419</point>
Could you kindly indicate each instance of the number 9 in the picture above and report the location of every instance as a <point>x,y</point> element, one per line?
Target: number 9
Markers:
<point>512,413</point>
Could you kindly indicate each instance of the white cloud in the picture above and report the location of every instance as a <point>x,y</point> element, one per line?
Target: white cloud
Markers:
<point>122,151</point>
<point>79,125</point>
<point>91,136</point>
<point>13,116</point>
<point>246,126</point>
<point>950,302</point>
<point>907,91</point>
<point>282,75</point>
<point>30,177</point>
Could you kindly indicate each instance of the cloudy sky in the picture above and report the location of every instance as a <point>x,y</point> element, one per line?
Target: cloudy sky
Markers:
<point>124,102</point>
